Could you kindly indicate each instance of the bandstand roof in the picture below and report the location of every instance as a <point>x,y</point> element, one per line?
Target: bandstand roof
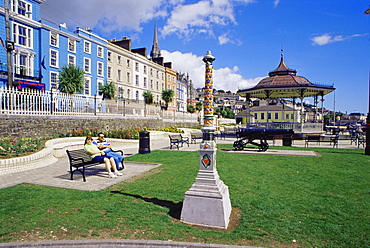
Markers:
<point>284,83</point>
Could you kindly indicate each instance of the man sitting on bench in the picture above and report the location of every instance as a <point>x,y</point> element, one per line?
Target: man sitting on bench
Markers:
<point>104,146</point>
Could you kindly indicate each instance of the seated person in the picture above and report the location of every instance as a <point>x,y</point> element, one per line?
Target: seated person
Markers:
<point>96,155</point>
<point>103,145</point>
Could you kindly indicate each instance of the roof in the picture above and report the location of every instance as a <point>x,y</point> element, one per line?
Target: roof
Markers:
<point>284,83</point>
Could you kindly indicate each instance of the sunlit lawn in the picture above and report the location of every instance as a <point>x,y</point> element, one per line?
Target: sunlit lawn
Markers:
<point>317,201</point>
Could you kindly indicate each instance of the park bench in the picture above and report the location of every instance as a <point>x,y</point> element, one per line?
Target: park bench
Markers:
<point>79,160</point>
<point>177,139</point>
<point>322,139</point>
<point>195,136</point>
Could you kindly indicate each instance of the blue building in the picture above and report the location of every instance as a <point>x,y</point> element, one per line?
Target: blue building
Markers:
<point>92,58</point>
<point>58,47</point>
<point>23,43</point>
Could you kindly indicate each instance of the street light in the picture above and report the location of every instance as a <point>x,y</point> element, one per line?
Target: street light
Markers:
<point>367,148</point>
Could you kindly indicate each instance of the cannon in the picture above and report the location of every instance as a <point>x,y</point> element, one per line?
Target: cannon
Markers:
<point>248,136</point>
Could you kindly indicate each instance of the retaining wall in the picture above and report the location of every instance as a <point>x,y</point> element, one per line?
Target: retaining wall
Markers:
<point>41,126</point>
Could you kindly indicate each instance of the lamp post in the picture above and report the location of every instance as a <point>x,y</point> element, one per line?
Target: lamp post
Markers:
<point>9,44</point>
<point>207,202</point>
<point>367,148</point>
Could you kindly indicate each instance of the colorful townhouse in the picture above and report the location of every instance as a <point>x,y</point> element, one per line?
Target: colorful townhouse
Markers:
<point>19,44</point>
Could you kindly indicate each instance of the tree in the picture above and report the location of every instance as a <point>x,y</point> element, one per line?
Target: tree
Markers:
<point>191,109</point>
<point>108,90</point>
<point>148,97</point>
<point>71,79</point>
<point>167,96</point>
<point>199,106</point>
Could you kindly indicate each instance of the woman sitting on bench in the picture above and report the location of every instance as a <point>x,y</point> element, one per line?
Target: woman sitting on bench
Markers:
<point>96,155</point>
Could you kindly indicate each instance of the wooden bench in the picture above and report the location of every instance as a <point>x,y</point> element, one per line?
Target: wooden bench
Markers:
<point>78,160</point>
<point>322,139</point>
<point>177,139</point>
<point>195,136</point>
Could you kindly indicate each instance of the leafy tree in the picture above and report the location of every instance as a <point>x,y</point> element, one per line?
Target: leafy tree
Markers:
<point>71,79</point>
<point>191,109</point>
<point>148,97</point>
<point>199,106</point>
<point>108,90</point>
<point>167,96</point>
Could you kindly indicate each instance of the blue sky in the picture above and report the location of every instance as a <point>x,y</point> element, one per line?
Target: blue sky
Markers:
<point>326,41</point>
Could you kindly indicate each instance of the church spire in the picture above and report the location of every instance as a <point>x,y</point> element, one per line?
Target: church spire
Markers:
<point>156,51</point>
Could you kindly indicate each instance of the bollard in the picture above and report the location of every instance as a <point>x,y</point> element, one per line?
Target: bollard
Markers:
<point>144,142</point>
<point>287,140</point>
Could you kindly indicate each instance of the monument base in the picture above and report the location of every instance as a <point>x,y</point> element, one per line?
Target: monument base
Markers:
<point>207,204</point>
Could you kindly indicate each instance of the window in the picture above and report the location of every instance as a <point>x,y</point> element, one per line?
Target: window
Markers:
<point>72,46</point>
<point>54,81</point>
<point>119,59</point>
<point>276,116</point>
<point>151,72</point>
<point>100,69</point>
<point>157,74</point>
<point>128,63</point>
<point>22,8</point>
<point>87,86</point>
<point>71,59</point>
<point>292,116</point>
<point>53,58</point>
<point>87,65</point>
<point>136,66</point>
<point>137,95</point>
<point>109,72</point>
<point>100,52</point>
<point>255,116</point>
<point>287,116</point>
<point>119,75</point>
<point>128,77</point>
<point>128,93</point>
<point>109,56</point>
<point>157,86</point>
<point>151,84</point>
<point>22,70</point>
<point>144,82</point>
<point>22,35</point>
<point>100,84</point>
<point>137,80</point>
<point>87,47</point>
<point>269,116</point>
<point>144,69</point>
<point>54,40</point>
<point>262,116</point>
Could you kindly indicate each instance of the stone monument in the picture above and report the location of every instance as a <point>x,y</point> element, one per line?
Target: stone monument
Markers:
<point>207,202</point>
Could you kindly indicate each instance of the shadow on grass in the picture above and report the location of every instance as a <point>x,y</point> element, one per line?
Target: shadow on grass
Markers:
<point>175,208</point>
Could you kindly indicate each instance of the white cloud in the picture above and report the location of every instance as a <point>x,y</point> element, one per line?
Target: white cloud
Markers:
<point>223,78</point>
<point>327,38</point>
<point>200,17</point>
<point>276,3</point>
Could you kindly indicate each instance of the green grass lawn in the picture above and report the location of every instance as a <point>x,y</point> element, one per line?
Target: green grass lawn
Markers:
<point>317,201</point>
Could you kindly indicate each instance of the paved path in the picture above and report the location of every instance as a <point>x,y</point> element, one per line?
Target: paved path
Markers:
<point>57,175</point>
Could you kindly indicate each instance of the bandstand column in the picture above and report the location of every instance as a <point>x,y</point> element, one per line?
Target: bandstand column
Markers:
<point>207,202</point>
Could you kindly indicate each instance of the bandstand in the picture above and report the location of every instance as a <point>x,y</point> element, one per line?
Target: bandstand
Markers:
<point>283,83</point>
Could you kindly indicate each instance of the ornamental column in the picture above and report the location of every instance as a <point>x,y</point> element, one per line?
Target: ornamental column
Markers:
<point>207,202</point>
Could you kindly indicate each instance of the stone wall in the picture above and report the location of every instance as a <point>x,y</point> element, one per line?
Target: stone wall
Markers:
<point>41,126</point>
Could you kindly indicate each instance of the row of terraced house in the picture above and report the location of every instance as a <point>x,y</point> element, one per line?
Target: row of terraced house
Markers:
<point>39,48</point>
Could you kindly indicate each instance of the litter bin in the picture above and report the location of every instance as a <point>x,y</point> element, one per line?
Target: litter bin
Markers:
<point>287,140</point>
<point>144,142</point>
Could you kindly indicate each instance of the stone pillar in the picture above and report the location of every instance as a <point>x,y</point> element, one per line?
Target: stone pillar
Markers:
<point>207,202</point>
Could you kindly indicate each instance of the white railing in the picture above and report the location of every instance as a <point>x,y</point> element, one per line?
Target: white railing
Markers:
<point>34,102</point>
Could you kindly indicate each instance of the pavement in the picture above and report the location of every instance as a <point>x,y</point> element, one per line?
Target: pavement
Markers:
<point>57,175</point>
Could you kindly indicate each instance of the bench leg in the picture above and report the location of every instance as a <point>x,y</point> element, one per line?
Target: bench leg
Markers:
<point>82,172</point>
